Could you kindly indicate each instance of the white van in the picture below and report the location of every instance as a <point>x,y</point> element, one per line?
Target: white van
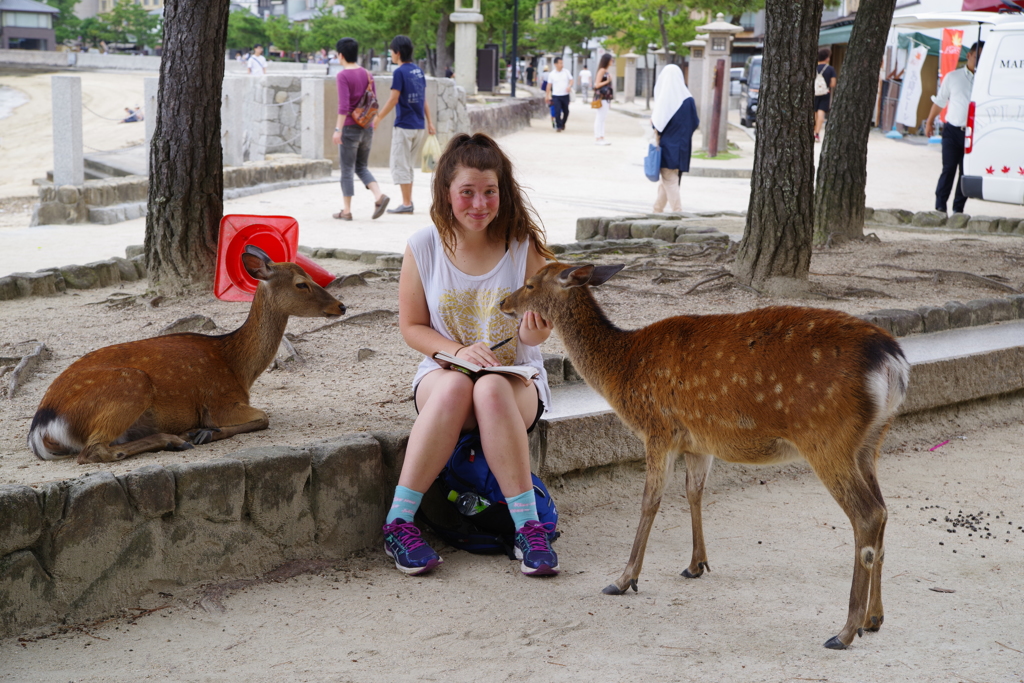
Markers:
<point>994,135</point>
<point>994,145</point>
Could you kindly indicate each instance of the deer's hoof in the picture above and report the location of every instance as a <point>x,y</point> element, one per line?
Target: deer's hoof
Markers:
<point>876,623</point>
<point>183,446</point>
<point>612,589</point>
<point>201,436</point>
<point>686,572</point>
<point>834,643</point>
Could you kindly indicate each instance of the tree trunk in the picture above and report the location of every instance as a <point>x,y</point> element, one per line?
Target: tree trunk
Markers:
<point>186,170</point>
<point>776,246</point>
<point>441,45</point>
<point>842,169</point>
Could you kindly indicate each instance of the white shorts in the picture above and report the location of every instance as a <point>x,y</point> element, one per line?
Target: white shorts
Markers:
<point>405,143</point>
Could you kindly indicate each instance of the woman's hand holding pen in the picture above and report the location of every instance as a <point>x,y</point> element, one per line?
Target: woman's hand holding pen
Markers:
<point>533,329</point>
<point>479,353</point>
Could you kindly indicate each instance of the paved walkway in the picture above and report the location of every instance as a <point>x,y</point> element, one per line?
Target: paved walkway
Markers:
<point>566,176</point>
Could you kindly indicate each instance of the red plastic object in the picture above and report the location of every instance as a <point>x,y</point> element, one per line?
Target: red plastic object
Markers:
<point>278,236</point>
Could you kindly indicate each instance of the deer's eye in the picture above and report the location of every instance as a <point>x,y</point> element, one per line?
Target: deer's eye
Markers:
<point>529,286</point>
<point>302,285</point>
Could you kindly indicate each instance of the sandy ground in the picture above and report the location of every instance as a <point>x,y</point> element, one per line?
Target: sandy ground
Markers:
<point>26,136</point>
<point>331,392</point>
<point>781,554</point>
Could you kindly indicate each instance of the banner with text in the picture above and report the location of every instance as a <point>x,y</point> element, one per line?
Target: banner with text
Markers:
<point>910,93</point>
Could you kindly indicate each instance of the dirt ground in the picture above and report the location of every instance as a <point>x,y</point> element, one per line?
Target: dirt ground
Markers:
<point>330,392</point>
<point>780,551</point>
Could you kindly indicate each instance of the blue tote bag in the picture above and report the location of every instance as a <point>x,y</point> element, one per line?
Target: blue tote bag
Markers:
<point>652,163</point>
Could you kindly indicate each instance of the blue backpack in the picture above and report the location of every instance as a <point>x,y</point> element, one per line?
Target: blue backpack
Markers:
<point>491,530</point>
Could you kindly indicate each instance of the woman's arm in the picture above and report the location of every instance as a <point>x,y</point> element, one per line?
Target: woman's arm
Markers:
<point>533,329</point>
<point>414,315</point>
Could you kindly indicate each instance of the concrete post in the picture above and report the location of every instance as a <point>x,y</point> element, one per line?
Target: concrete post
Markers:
<point>150,105</point>
<point>629,79</point>
<point>465,20</point>
<point>719,46</point>
<point>233,120</point>
<point>695,73</point>
<point>68,164</point>
<point>313,116</point>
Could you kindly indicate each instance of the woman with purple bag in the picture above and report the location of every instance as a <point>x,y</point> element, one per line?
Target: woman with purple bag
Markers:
<point>353,139</point>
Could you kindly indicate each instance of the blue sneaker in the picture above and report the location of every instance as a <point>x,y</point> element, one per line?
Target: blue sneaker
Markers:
<point>534,549</point>
<point>403,544</point>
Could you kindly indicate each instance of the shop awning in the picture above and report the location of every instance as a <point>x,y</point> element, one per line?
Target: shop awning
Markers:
<point>933,44</point>
<point>835,34</point>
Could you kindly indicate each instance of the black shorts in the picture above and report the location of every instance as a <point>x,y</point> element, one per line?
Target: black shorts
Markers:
<point>823,102</point>
<point>536,418</point>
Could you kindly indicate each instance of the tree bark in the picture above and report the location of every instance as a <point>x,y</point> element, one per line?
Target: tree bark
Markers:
<point>441,45</point>
<point>186,169</point>
<point>780,216</point>
<point>842,169</point>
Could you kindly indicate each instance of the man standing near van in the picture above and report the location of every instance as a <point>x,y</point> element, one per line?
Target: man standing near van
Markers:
<point>558,89</point>
<point>955,92</point>
<point>408,99</point>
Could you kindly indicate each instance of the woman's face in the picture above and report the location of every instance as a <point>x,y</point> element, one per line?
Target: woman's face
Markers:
<point>474,197</point>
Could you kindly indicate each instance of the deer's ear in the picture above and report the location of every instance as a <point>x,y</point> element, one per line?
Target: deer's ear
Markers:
<point>604,273</point>
<point>256,263</point>
<point>577,276</point>
<point>589,274</point>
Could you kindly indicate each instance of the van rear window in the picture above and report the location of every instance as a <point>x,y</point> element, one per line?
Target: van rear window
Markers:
<point>1007,79</point>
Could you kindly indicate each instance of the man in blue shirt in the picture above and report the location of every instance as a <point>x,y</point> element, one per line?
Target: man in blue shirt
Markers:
<point>408,99</point>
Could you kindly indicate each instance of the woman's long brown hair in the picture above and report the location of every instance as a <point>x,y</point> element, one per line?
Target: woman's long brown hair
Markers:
<point>516,219</point>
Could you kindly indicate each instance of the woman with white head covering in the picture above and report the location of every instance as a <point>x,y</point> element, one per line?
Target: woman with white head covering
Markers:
<point>675,120</point>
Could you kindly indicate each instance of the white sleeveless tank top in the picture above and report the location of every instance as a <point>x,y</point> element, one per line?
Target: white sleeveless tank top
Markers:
<point>464,308</point>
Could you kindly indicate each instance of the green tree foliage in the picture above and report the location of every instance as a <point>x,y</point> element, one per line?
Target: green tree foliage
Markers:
<point>66,24</point>
<point>573,27</point>
<point>93,30</point>
<point>285,35</point>
<point>326,29</point>
<point>245,29</point>
<point>129,22</point>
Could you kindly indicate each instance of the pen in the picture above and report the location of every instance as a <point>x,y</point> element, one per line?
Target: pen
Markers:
<point>502,343</point>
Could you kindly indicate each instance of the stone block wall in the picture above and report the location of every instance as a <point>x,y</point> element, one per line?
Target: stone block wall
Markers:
<point>92,545</point>
<point>505,116</point>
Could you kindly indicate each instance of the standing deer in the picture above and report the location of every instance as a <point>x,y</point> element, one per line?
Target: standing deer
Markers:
<point>168,393</point>
<point>758,388</point>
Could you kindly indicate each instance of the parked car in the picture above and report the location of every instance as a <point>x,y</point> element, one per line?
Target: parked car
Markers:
<point>735,74</point>
<point>750,86</point>
<point>994,148</point>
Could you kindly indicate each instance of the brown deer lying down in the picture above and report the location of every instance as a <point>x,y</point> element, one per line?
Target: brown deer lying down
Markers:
<point>760,387</point>
<point>170,392</point>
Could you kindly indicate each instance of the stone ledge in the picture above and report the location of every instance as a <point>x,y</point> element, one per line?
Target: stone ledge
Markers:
<point>92,545</point>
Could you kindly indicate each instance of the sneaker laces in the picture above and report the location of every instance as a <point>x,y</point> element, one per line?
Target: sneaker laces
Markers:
<point>536,534</point>
<point>408,535</point>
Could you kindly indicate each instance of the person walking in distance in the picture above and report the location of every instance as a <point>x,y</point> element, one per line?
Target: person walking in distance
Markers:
<point>674,120</point>
<point>353,140</point>
<point>558,89</point>
<point>585,77</point>
<point>955,92</point>
<point>408,99</point>
<point>604,92</point>
<point>256,64</point>
<point>484,244</point>
<point>823,95</point>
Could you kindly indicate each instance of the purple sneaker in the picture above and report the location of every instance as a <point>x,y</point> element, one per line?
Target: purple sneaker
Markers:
<point>403,544</point>
<point>534,549</point>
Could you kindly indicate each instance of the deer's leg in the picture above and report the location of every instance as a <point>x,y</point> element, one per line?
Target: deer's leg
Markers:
<point>654,487</point>
<point>875,615</point>
<point>697,469</point>
<point>867,514</point>
<point>227,421</point>
<point>123,396</point>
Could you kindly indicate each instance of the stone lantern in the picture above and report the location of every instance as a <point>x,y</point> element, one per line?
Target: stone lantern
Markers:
<point>718,49</point>
<point>465,20</point>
